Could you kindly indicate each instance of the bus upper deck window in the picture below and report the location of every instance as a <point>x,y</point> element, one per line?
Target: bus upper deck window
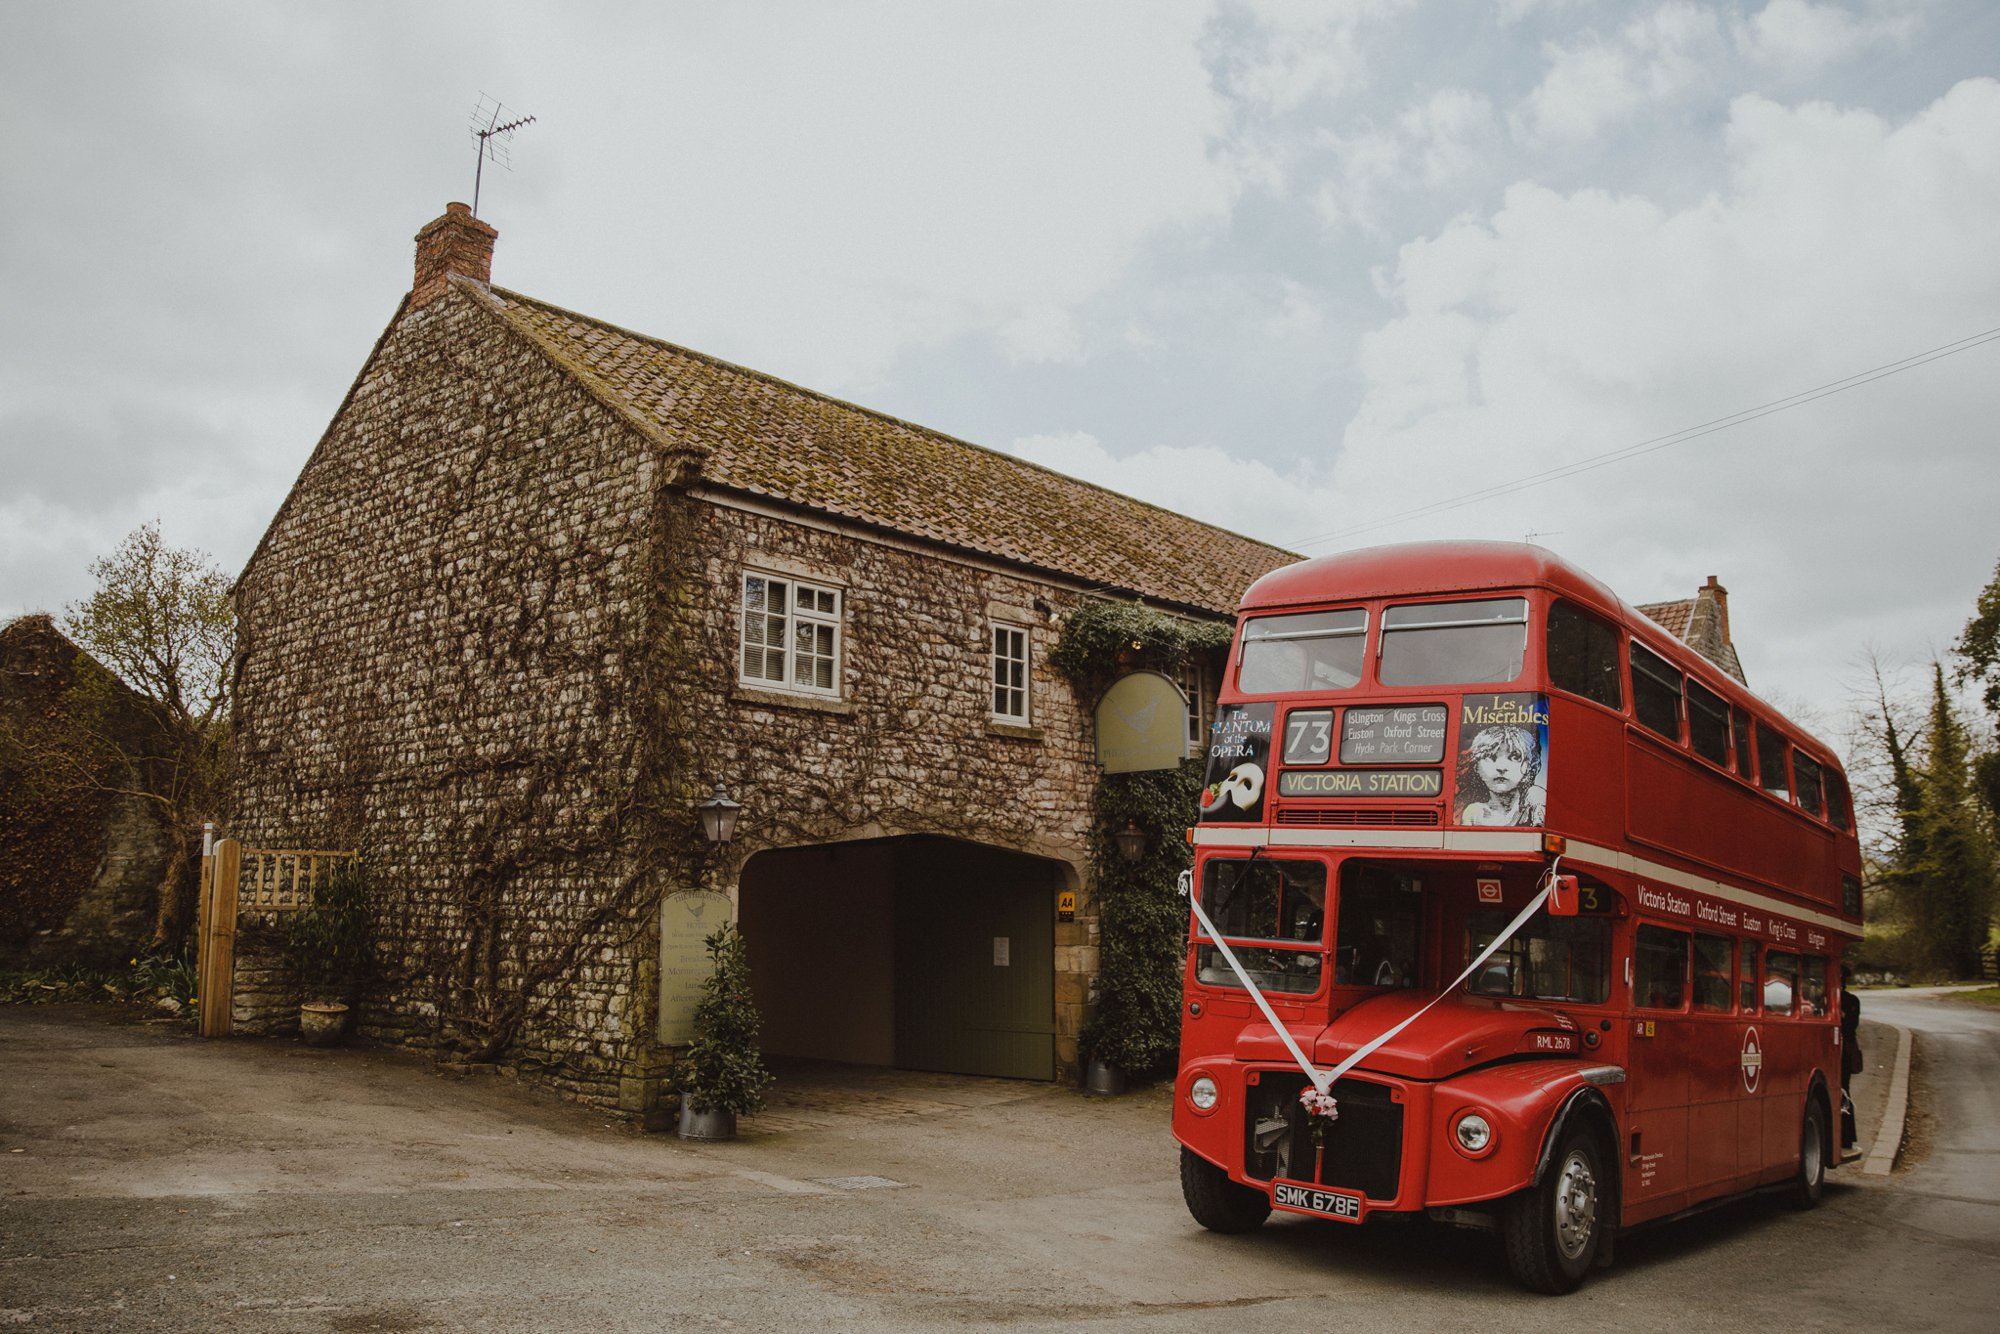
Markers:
<point>1454,643</point>
<point>1656,693</point>
<point>1583,655</point>
<point>1708,723</point>
<point>1772,771</point>
<point>1806,770</point>
<point>1314,650</point>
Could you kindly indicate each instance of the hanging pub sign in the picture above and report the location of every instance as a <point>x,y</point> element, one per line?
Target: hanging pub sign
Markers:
<point>1141,724</point>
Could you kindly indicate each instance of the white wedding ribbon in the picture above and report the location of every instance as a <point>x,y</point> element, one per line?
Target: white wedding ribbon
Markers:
<point>1322,1081</point>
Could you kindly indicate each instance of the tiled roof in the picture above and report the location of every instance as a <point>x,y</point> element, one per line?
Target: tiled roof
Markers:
<point>761,436</point>
<point>1674,616</point>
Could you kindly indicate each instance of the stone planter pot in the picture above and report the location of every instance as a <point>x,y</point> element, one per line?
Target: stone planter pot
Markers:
<point>705,1125</point>
<point>322,1023</point>
<point>1107,1080</point>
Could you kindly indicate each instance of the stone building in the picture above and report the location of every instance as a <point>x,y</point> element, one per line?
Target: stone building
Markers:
<point>83,853</point>
<point>545,584</point>
<point>1702,623</point>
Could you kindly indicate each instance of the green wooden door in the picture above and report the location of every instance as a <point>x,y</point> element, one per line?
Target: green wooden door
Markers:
<point>975,961</point>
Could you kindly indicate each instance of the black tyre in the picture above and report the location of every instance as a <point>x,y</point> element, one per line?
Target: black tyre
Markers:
<point>1217,1203</point>
<point>1552,1229</point>
<point>1809,1183</point>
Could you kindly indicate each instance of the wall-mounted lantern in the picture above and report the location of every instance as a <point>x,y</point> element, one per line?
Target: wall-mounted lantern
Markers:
<point>1131,841</point>
<point>718,817</point>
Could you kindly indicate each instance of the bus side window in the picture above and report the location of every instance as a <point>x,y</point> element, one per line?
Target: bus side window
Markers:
<point>1660,975</point>
<point>1708,723</point>
<point>1806,770</point>
<point>1711,972</point>
<point>1771,770</point>
<point>1781,981</point>
<point>1740,725</point>
<point>1812,986</point>
<point>1583,656</point>
<point>1656,693</point>
<point>1746,976</point>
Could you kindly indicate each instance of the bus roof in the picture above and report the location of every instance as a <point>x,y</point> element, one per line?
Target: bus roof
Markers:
<point>1423,568</point>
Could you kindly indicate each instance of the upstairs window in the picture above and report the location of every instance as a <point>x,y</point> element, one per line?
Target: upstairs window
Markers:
<point>1806,771</point>
<point>1708,724</point>
<point>1836,798</point>
<point>1583,656</point>
<point>1656,693</point>
<point>1772,773</point>
<point>1454,643</point>
<point>1740,725</point>
<point>1010,674</point>
<point>1314,650</point>
<point>790,636</point>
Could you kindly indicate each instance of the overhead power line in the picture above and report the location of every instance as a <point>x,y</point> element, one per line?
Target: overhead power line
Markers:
<point>1659,442</point>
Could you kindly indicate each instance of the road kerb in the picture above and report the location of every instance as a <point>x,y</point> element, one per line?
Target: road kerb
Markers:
<point>1888,1141</point>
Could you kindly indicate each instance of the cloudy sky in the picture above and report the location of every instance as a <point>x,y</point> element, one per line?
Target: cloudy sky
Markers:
<point>1322,273</point>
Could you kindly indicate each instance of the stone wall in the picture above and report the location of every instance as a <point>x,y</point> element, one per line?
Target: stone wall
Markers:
<point>438,640</point>
<point>910,747</point>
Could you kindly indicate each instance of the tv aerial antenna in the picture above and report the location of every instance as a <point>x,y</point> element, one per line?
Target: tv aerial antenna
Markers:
<point>494,136</point>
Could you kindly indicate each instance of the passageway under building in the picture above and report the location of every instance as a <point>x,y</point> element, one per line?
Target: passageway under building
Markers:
<point>920,953</point>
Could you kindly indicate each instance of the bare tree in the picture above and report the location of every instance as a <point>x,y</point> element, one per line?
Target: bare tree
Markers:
<point>161,621</point>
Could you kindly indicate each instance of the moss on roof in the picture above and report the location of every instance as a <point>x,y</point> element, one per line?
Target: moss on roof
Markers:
<point>761,436</point>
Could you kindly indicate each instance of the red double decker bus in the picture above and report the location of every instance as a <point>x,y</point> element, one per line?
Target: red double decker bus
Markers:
<point>1508,908</point>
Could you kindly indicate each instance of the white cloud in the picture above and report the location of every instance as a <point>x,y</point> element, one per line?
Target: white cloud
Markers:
<point>1207,482</point>
<point>1801,38</point>
<point>1568,324</point>
<point>1595,82</point>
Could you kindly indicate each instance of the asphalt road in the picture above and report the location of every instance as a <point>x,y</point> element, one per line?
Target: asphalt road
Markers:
<point>1951,1193</point>
<point>150,1181</point>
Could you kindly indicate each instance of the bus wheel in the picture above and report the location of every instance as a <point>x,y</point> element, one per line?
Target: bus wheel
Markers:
<point>1811,1178</point>
<point>1217,1203</point>
<point>1552,1229</point>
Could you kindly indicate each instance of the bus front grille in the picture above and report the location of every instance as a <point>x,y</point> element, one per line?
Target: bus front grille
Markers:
<point>1349,817</point>
<point>1362,1150</point>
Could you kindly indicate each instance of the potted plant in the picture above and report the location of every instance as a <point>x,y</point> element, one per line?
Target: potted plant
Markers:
<point>722,1074</point>
<point>327,943</point>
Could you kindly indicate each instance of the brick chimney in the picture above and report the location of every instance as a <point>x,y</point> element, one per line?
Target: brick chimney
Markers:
<point>454,243</point>
<point>1719,595</point>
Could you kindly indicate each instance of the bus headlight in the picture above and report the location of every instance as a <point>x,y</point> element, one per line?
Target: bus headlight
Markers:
<point>1202,1094</point>
<point>1473,1133</point>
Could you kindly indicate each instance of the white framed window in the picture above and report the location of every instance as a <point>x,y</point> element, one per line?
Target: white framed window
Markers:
<point>1010,674</point>
<point>1193,681</point>
<point>790,635</point>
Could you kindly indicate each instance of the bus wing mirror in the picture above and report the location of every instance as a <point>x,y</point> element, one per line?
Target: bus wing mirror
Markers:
<point>1564,896</point>
<point>1185,884</point>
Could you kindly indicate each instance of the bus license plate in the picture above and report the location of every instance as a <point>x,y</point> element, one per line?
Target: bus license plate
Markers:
<point>1312,1200</point>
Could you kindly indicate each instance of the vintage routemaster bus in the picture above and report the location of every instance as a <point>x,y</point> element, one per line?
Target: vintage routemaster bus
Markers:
<point>1508,908</point>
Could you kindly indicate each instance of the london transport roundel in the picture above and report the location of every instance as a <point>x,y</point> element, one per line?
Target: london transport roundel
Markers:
<point>1753,1060</point>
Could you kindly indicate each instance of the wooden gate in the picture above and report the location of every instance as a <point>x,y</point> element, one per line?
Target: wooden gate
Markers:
<point>236,880</point>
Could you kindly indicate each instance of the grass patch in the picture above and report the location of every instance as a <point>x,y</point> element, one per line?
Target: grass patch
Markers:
<point>1984,996</point>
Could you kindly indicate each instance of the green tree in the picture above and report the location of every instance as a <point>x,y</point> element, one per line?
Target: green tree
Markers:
<point>1979,662</point>
<point>1949,874</point>
<point>161,620</point>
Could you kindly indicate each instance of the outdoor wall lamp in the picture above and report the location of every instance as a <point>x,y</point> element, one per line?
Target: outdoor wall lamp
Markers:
<point>718,817</point>
<point>1131,841</point>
